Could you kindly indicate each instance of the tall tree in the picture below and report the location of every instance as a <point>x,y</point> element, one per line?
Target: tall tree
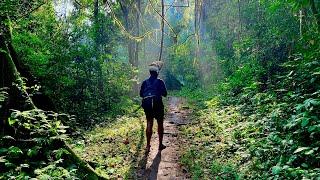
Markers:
<point>130,10</point>
<point>162,30</point>
<point>197,24</point>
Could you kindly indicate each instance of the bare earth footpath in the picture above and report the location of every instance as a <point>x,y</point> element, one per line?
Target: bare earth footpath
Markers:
<point>165,164</point>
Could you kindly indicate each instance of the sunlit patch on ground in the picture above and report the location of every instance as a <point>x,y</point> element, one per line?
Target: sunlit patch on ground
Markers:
<point>116,149</point>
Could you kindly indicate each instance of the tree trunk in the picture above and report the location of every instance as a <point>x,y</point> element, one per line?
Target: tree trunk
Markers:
<point>136,57</point>
<point>98,51</point>
<point>162,29</point>
<point>301,21</point>
<point>131,43</point>
<point>240,22</point>
<point>197,21</point>
<point>18,97</point>
<point>96,24</point>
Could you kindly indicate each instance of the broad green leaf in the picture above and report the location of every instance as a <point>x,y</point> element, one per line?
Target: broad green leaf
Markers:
<point>12,121</point>
<point>305,122</point>
<point>27,125</point>
<point>301,149</point>
<point>33,152</point>
<point>3,150</point>
<point>3,159</point>
<point>309,152</point>
<point>276,170</point>
<point>25,165</point>
<point>15,151</point>
<point>312,128</point>
<point>304,165</point>
<point>299,107</point>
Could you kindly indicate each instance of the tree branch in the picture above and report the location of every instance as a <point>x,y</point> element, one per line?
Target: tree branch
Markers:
<point>31,11</point>
<point>165,20</point>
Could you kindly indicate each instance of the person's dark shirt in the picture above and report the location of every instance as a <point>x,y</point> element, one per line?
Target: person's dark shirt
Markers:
<point>159,88</point>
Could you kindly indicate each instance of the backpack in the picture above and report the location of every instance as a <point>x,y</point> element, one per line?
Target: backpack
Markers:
<point>149,95</point>
<point>150,89</point>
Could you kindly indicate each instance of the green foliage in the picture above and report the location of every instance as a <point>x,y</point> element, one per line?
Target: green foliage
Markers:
<point>41,124</point>
<point>115,149</point>
<point>196,95</point>
<point>117,75</point>
<point>3,96</point>
<point>75,61</point>
<point>33,150</point>
<point>183,65</point>
<point>212,149</point>
<point>264,121</point>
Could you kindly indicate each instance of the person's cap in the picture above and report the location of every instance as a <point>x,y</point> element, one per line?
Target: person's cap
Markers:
<point>154,68</point>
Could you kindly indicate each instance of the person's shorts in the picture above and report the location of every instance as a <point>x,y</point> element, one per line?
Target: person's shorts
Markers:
<point>157,113</point>
<point>153,108</point>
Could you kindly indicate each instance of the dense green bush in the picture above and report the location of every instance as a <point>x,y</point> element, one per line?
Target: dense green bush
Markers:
<point>264,121</point>
<point>262,133</point>
<point>69,66</point>
<point>33,149</point>
<point>182,64</point>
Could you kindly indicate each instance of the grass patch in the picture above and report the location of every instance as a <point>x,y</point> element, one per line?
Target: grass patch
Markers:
<point>116,149</point>
<point>214,151</point>
<point>250,141</point>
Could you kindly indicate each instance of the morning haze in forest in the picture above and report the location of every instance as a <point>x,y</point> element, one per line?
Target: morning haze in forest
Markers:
<point>243,78</point>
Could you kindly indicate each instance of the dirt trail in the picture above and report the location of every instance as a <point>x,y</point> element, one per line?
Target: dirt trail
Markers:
<point>165,164</point>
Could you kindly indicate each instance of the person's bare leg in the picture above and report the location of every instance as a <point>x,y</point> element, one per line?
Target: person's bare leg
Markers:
<point>149,133</point>
<point>160,134</point>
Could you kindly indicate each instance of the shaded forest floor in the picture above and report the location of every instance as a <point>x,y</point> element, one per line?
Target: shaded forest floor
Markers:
<point>117,150</point>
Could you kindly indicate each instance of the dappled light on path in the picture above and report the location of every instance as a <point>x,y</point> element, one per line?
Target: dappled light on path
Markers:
<point>165,164</point>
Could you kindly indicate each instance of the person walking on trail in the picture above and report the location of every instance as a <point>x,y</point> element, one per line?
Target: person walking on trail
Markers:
<point>152,90</point>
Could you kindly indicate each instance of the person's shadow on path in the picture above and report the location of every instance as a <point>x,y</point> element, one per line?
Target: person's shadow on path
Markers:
<point>154,168</point>
<point>150,173</point>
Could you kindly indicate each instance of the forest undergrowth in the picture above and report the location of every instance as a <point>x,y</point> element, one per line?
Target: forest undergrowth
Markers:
<point>71,71</point>
<point>114,149</point>
<point>256,130</point>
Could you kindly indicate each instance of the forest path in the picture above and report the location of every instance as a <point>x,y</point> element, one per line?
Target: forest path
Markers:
<point>164,164</point>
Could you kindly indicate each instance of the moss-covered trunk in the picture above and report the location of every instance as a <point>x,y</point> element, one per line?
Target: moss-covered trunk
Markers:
<point>18,97</point>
